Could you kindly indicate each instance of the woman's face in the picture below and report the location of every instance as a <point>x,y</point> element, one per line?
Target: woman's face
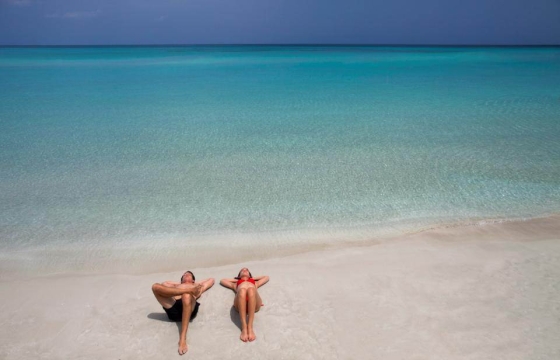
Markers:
<point>244,273</point>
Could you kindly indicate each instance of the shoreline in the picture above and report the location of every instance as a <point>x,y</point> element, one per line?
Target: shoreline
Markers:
<point>474,292</point>
<point>222,253</point>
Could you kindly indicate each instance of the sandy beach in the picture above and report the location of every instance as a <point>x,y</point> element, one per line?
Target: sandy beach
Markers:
<point>469,292</point>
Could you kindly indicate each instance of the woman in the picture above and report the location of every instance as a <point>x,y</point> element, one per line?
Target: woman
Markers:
<point>247,300</point>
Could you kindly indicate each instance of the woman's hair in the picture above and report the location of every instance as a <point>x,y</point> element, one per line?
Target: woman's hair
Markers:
<point>239,275</point>
<point>188,271</point>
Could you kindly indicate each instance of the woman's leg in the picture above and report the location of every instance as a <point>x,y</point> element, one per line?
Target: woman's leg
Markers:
<point>251,308</point>
<point>259,302</point>
<point>240,304</point>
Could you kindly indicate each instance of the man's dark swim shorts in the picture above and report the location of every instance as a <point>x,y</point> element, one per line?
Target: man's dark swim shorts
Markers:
<point>175,313</point>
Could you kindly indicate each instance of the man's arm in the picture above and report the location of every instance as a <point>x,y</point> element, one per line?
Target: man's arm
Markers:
<point>206,284</point>
<point>261,280</point>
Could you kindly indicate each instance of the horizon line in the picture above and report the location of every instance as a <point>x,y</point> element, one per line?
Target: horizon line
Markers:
<point>278,44</point>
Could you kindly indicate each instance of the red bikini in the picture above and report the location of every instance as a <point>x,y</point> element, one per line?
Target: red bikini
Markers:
<point>251,280</point>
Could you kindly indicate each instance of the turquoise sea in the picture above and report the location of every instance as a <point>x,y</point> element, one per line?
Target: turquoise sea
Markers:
<point>136,159</point>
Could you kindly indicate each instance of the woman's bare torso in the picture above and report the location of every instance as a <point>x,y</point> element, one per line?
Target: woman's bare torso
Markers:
<point>245,285</point>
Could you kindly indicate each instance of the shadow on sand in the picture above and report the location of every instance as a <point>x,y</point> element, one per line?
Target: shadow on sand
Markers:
<point>163,317</point>
<point>234,315</point>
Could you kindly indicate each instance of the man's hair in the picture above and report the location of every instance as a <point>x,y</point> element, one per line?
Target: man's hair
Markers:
<point>190,272</point>
<point>239,275</point>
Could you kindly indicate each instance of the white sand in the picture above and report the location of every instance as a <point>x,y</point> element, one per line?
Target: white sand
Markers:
<point>476,292</point>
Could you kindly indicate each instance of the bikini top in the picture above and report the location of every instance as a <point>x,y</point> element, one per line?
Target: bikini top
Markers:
<point>251,280</point>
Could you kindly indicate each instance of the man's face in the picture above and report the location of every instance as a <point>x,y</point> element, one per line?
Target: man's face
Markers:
<point>187,278</point>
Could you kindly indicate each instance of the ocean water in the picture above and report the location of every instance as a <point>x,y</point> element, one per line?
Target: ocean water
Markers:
<point>140,158</point>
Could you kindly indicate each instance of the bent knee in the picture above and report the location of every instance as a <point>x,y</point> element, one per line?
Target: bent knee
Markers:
<point>155,287</point>
<point>251,292</point>
<point>187,298</point>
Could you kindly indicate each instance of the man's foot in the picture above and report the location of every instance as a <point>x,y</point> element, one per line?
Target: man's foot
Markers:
<point>251,335</point>
<point>198,290</point>
<point>183,347</point>
<point>244,336</point>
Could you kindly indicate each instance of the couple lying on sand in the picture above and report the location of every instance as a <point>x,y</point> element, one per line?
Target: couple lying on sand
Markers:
<point>179,300</point>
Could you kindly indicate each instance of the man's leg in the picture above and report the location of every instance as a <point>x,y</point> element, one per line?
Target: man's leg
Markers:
<point>189,303</point>
<point>251,306</point>
<point>164,294</point>
<point>241,299</point>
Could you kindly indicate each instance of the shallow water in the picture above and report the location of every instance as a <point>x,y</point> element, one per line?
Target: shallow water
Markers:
<point>154,150</point>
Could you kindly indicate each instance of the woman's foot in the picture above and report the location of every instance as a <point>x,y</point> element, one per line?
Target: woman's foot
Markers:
<point>251,335</point>
<point>244,335</point>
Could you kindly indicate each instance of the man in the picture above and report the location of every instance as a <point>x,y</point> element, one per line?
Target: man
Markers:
<point>179,301</point>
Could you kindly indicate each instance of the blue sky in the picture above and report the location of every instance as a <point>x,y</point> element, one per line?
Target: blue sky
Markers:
<point>415,22</point>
